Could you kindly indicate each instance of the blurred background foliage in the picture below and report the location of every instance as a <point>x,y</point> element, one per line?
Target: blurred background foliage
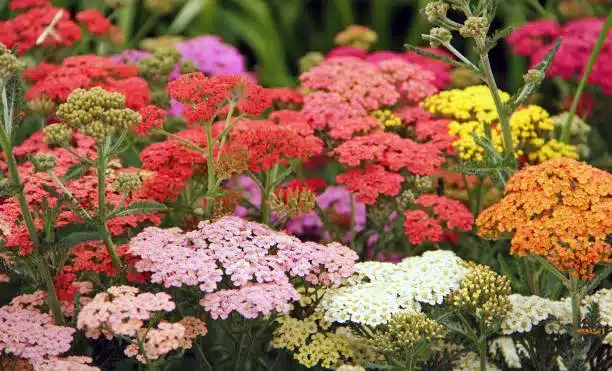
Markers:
<point>274,34</point>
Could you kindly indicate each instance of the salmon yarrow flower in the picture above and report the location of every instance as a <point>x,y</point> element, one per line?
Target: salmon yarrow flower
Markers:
<point>559,210</point>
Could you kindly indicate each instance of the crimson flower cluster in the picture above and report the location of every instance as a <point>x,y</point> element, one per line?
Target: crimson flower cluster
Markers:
<point>56,82</point>
<point>536,38</point>
<point>207,97</point>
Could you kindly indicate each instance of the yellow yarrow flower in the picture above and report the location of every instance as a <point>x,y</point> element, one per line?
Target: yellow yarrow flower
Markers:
<point>387,118</point>
<point>472,108</point>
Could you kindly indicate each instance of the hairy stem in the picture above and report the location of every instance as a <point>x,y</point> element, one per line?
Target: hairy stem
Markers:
<point>102,227</point>
<point>576,299</point>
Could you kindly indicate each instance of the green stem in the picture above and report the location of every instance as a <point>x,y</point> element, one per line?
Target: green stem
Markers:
<point>543,12</point>
<point>504,118</point>
<point>67,192</point>
<point>482,347</point>
<point>585,77</point>
<point>211,182</point>
<point>270,179</point>
<point>576,317</point>
<point>103,229</point>
<point>17,185</point>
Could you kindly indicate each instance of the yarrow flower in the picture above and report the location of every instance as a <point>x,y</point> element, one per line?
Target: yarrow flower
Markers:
<point>25,29</point>
<point>559,210</point>
<point>367,183</point>
<point>204,97</point>
<point>121,310</point>
<point>28,333</point>
<point>536,38</point>
<point>152,117</point>
<point>272,142</point>
<point>473,108</point>
<point>380,290</point>
<point>312,341</point>
<point>95,21</point>
<point>57,82</point>
<point>256,260</point>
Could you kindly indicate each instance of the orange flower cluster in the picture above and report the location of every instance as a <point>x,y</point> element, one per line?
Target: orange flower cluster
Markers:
<point>561,210</point>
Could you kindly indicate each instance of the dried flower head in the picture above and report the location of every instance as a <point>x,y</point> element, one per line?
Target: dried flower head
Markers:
<point>560,210</point>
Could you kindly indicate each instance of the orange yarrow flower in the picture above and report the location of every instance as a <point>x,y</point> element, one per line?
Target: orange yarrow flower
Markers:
<point>561,210</point>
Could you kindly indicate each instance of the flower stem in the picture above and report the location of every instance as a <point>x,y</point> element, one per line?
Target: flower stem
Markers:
<point>504,116</point>
<point>102,227</point>
<point>482,346</point>
<point>17,185</point>
<point>270,179</point>
<point>565,134</point>
<point>576,316</point>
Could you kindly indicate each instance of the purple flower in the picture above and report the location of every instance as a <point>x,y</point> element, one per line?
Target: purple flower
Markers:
<point>130,56</point>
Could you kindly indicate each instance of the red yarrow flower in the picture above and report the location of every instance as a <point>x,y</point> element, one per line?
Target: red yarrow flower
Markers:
<point>27,4</point>
<point>367,183</point>
<point>204,97</point>
<point>151,117</point>
<point>420,227</point>
<point>452,212</point>
<point>95,21</point>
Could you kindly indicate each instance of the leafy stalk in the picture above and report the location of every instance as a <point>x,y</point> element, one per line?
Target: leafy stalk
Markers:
<point>102,217</point>
<point>565,134</point>
<point>17,186</point>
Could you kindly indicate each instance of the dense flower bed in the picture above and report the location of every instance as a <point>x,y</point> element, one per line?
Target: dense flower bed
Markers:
<point>161,209</point>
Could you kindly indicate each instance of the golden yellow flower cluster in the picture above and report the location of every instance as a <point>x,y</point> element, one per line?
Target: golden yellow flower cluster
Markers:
<point>561,210</point>
<point>387,118</point>
<point>473,107</point>
<point>313,341</point>
<point>405,330</point>
<point>484,293</point>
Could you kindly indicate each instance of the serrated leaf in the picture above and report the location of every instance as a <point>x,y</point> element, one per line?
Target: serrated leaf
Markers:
<point>138,207</point>
<point>498,35</point>
<point>74,172</point>
<point>15,103</point>
<point>442,58</point>
<point>546,62</point>
<point>76,238</point>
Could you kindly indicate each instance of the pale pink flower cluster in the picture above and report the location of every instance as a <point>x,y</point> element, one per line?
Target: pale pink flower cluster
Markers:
<point>254,260</point>
<point>27,333</point>
<point>84,288</point>
<point>121,310</point>
<point>413,82</point>
<point>159,341</point>
<point>73,363</point>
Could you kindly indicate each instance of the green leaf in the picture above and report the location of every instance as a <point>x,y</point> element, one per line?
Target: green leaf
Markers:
<point>439,57</point>
<point>498,35</point>
<point>138,207</point>
<point>187,14</point>
<point>74,172</point>
<point>546,62</point>
<point>15,103</point>
<point>76,238</point>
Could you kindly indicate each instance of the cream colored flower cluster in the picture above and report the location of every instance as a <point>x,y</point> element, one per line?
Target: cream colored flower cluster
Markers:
<point>379,290</point>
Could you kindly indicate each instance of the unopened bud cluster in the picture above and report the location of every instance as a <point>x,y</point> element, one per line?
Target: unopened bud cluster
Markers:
<point>423,184</point>
<point>440,33</point>
<point>533,76</point>
<point>43,162</point>
<point>436,10</point>
<point>310,61</point>
<point>474,27</point>
<point>160,64</point>
<point>356,36</point>
<point>405,330</point>
<point>9,64</point>
<point>42,105</point>
<point>97,112</point>
<point>230,164</point>
<point>127,182</point>
<point>59,134</point>
<point>484,293</point>
<point>188,67</point>
<point>380,212</point>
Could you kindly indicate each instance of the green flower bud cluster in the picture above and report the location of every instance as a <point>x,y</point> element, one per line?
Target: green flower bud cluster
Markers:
<point>533,76</point>
<point>160,98</point>
<point>293,202</point>
<point>484,293</point>
<point>160,64</point>
<point>406,198</point>
<point>579,133</point>
<point>441,34</point>
<point>474,27</point>
<point>423,184</point>
<point>43,162</point>
<point>57,134</point>
<point>42,105</point>
<point>436,10</point>
<point>188,67</point>
<point>310,61</point>
<point>127,182</point>
<point>160,6</point>
<point>9,63</point>
<point>97,112</point>
<point>405,330</point>
<point>381,211</point>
